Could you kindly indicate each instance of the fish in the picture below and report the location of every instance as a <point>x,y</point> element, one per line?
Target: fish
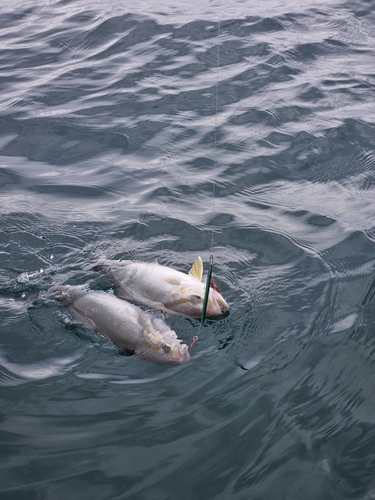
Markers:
<point>164,288</point>
<point>134,330</point>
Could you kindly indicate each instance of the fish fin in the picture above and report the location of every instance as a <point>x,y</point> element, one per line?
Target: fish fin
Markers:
<point>97,259</point>
<point>172,281</point>
<point>197,269</point>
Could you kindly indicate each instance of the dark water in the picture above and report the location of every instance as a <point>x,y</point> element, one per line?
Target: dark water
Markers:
<point>107,122</point>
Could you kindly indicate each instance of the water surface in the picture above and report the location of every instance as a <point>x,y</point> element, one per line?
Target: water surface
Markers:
<point>122,132</point>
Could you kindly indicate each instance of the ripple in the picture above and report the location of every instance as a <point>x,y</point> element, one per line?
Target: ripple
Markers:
<point>14,374</point>
<point>109,145</point>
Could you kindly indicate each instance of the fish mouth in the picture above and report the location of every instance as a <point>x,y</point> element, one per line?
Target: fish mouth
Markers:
<point>221,315</point>
<point>179,356</point>
<point>218,309</point>
<point>223,305</point>
<point>184,354</point>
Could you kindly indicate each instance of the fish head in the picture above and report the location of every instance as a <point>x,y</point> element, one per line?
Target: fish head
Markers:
<point>216,305</point>
<point>188,301</point>
<point>159,344</point>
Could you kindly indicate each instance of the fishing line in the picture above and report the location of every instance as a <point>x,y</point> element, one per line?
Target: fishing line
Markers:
<point>209,281</point>
<point>215,133</point>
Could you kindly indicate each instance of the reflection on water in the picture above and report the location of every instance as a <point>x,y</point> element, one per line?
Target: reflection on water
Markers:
<point>17,373</point>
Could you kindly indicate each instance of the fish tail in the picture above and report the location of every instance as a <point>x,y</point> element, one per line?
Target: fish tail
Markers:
<point>98,260</point>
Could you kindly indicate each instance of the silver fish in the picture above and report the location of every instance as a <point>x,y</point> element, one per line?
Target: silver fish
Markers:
<point>132,329</point>
<point>163,288</point>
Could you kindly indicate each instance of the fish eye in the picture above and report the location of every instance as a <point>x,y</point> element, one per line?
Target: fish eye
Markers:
<point>195,298</point>
<point>166,348</point>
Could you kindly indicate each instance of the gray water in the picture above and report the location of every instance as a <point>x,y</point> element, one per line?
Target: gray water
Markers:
<point>107,123</point>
